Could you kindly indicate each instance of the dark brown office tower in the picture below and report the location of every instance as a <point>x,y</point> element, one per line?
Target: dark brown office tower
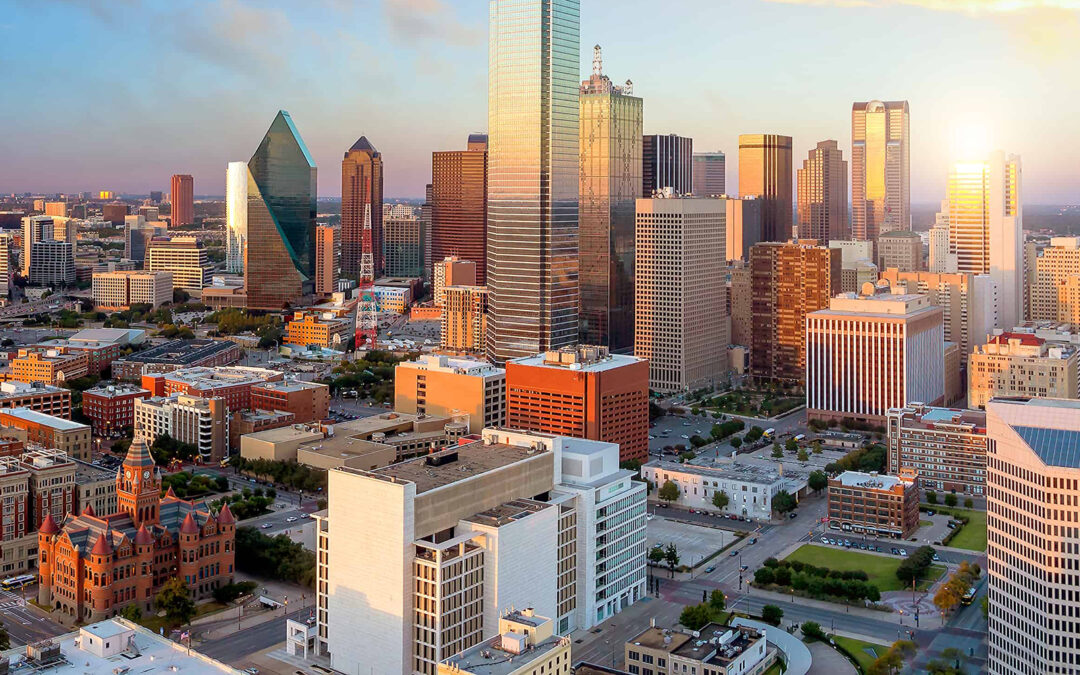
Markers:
<point>361,186</point>
<point>787,282</point>
<point>114,212</point>
<point>183,200</point>
<point>459,204</point>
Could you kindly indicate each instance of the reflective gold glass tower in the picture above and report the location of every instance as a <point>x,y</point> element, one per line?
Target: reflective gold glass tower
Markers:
<point>611,167</point>
<point>765,172</point>
<point>822,190</point>
<point>532,176</point>
<point>880,169</point>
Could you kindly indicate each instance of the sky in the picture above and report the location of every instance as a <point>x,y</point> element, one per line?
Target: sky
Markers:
<point>121,94</point>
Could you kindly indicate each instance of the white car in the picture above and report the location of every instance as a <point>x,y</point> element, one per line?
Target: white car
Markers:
<point>291,519</point>
<point>685,436</point>
<point>266,526</point>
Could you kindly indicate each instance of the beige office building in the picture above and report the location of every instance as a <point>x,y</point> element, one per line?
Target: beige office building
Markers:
<point>1033,483</point>
<point>765,172</point>
<point>526,645</point>
<point>1021,364</point>
<point>743,227</point>
<point>858,273</point>
<point>681,322</point>
<point>445,386</point>
<point>464,318</point>
<point>739,304</point>
<point>900,250</point>
<point>451,271</point>
<point>880,168</point>
<point>945,446</point>
<point>869,353</point>
<point>969,302</point>
<point>327,259</point>
<point>986,219</point>
<point>823,194</point>
<point>120,290</point>
<point>185,257</point>
<point>1054,292</point>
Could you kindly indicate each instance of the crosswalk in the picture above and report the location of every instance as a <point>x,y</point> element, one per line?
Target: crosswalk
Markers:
<point>9,600</point>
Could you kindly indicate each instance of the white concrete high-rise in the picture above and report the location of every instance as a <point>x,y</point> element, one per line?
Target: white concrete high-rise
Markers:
<point>939,259</point>
<point>1033,490</point>
<point>986,221</point>
<point>236,203</point>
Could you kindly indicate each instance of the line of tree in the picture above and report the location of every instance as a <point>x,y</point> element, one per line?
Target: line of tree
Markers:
<point>274,557</point>
<point>865,459</point>
<point>950,593</point>
<point>817,582</point>
<point>185,485</point>
<point>247,503</point>
<point>915,566</point>
<point>696,617</point>
<point>725,429</point>
<point>292,474</point>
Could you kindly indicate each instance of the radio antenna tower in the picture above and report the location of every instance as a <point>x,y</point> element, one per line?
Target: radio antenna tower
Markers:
<point>367,317</point>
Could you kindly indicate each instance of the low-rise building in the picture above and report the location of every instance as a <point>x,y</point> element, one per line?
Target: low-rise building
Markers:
<point>945,446</point>
<point>900,250</point>
<point>33,485</point>
<point>95,488</point>
<point>245,422</point>
<point>50,431</point>
<point>99,353</point>
<point>175,355</point>
<point>1021,365</point>
<point>119,290</point>
<point>185,257</point>
<point>526,645</point>
<point>875,504</point>
<point>232,383</point>
<point>202,422</point>
<point>446,386</point>
<point>310,328</point>
<point>36,396</point>
<point>110,407</point>
<point>750,489</point>
<point>395,294</point>
<point>716,649</point>
<point>306,401</point>
<point>38,364</point>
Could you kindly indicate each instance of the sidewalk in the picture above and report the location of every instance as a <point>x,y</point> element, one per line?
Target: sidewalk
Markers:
<point>238,618</point>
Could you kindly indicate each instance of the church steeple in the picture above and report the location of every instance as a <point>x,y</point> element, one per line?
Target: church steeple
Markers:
<point>138,485</point>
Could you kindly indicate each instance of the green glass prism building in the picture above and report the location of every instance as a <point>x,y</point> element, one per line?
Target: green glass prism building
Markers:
<point>279,267</point>
<point>532,231</point>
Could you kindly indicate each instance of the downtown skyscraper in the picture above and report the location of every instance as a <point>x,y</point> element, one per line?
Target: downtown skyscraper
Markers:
<point>611,120</point>
<point>532,176</point>
<point>822,194</point>
<point>236,197</point>
<point>880,169</point>
<point>183,200</point>
<point>458,205</point>
<point>765,173</point>
<point>280,218</point>
<point>667,162</point>
<point>361,192</point>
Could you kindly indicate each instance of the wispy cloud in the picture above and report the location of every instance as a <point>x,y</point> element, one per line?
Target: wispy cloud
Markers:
<point>432,20</point>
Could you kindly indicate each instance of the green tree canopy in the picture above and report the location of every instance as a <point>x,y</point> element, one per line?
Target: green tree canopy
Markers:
<point>175,601</point>
<point>669,491</point>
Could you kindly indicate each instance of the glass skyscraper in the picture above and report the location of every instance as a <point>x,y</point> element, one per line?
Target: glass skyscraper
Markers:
<point>280,218</point>
<point>611,167</point>
<point>532,176</point>
<point>880,168</point>
<point>236,198</point>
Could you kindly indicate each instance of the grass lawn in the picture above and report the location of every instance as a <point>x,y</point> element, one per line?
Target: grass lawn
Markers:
<point>880,569</point>
<point>925,523</point>
<point>973,535</point>
<point>155,622</point>
<point>857,648</point>
<point>774,670</point>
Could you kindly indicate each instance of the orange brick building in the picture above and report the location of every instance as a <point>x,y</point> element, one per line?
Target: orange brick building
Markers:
<point>307,328</point>
<point>231,383</point>
<point>92,567</point>
<point>49,365</point>
<point>584,392</point>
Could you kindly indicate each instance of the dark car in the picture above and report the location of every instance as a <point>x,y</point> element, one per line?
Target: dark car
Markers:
<point>733,554</point>
<point>754,540</point>
<point>710,569</point>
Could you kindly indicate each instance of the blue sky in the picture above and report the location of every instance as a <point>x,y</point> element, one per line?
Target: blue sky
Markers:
<point>120,94</point>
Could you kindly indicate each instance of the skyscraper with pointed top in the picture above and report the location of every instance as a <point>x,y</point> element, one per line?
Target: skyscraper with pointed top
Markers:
<point>361,186</point>
<point>280,264</point>
<point>532,176</point>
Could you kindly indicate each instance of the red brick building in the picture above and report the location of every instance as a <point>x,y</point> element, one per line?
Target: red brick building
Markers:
<point>230,383</point>
<point>92,567</point>
<point>307,401</point>
<point>110,407</point>
<point>583,392</point>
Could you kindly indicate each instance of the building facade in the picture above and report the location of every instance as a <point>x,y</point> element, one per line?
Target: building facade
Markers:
<point>311,328</point>
<point>452,271</point>
<point>750,489</point>
<point>403,241</point>
<point>610,183</point>
<point>901,250</point>
<point>449,387</point>
<point>458,204</point>
<point>36,396</point>
<point>710,174</point>
<point>869,353</point>
<point>667,163</point>
<point>361,201</point>
<point>680,320</point>
<point>880,168</point>
<point>117,291</point>
<point>788,281</point>
<point>1021,364</point>
<point>532,245</point>
<point>875,504</point>
<point>198,421</point>
<point>765,173</point>
<point>236,203</point>
<point>822,194</point>
<point>464,318</point>
<point>582,392</point>
<point>1053,293</point>
<point>743,226</point>
<point>327,259</point>
<point>182,200</point>
<point>111,407</point>
<point>945,446</point>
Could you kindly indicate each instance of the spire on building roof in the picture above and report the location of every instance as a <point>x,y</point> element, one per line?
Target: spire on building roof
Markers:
<point>189,525</point>
<point>102,547</point>
<point>138,455</point>
<point>89,510</point>
<point>364,145</point>
<point>48,526</point>
<point>143,536</point>
<point>225,516</point>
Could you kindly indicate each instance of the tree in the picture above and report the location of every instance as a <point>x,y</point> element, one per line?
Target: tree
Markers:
<point>695,617</point>
<point>783,501</point>
<point>772,614</point>
<point>817,447</point>
<point>717,601</point>
<point>950,499</point>
<point>131,613</point>
<point>175,601</point>
<point>955,655</point>
<point>656,554</point>
<point>969,503</point>
<point>914,566</point>
<point>791,445</point>
<point>697,441</point>
<point>946,599</point>
<point>669,492</point>
<point>764,576</point>
<point>736,442</point>
<point>720,499</point>
<point>931,497</point>
<point>818,481</point>
<point>671,554</point>
<point>776,451</point>
<point>811,630</point>
<point>5,642</point>
<point>803,457</point>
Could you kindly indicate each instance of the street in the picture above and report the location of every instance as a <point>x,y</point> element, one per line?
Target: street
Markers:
<point>235,647</point>
<point>24,624</point>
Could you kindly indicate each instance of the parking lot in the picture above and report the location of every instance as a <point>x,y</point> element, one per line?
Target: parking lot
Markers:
<point>694,542</point>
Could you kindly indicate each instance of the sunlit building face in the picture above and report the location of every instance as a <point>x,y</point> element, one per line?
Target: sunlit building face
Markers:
<point>532,176</point>
<point>880,168</point>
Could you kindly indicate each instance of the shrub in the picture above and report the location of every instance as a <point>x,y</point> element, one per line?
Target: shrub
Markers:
<point>772,614</point>
<point>764,576</point>
<point>950,499</point>
<point>812,631</point>
<point>931,497</point>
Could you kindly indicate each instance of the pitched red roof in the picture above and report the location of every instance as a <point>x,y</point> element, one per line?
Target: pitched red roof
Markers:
<point>48,526</point>
<point>89,510</point>
<point>143,536</point>
<point>1024,338</point>
<point>102,547</point>
<point>225,516</point>
<point>189,526</point>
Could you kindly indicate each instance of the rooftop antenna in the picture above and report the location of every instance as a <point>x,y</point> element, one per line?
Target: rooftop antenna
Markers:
<point>597,62</point>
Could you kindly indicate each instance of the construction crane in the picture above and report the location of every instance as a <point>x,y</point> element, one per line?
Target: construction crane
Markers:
<point>367,311</point>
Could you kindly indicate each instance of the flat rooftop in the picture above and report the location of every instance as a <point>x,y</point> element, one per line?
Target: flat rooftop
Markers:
<point>90,473</point>
<point>585,360</point>
<point>221,376</point>
<point>181,351</point>
<point>870,481</point>
<point>152,654</point>
<point>471,461</point>
<point>287,434</point>
<point>933,417</point>
<point>487,658</point>
<point>116,389</point>
<point>747,473</point>
<point>41,418</point>
<point>14,388</point>
<point>291,385</point>
<point>507,513</point>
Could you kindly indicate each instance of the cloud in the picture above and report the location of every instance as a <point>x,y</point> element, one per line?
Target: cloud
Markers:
<point>968,6</point>
<point>430,20</point>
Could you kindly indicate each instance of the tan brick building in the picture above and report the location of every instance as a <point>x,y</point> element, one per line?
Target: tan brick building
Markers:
<point>875,504</point>
<point>1021,364</point>
<point>309,328</point>
<point>49,365</point>
<point>464,318</point>
<point>69,437</point>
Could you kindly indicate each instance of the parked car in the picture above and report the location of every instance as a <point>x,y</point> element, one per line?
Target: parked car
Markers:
<point>753,541</point>
<point>710,569</point>
<point>824,540</point>
<point>894,551</point>
<point>903,552</point>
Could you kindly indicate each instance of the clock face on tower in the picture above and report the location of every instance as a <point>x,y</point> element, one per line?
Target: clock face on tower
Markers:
<point>127,474</point>
<point>145,474</point>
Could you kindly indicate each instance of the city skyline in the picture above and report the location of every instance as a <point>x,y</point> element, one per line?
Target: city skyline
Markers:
<point>224,72</point>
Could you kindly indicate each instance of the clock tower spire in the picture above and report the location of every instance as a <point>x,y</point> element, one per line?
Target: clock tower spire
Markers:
<point>138,485</point>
